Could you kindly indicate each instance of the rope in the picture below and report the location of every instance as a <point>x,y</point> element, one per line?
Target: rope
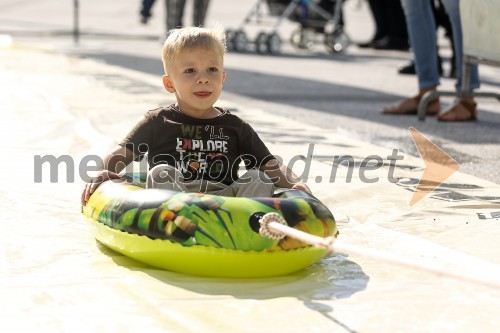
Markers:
<point>273,223</point>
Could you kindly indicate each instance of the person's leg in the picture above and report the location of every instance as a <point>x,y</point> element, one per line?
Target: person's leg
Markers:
<point>166,177</point>
<point>180,13</point>
<point>175,12</point>
<point>380,23</point>
<point>395,27</point>
<point>422,33</point>
<point>438,19</point>
<point>146,6</point>
<point>453,9</point>
<point>205,186</point>
<point>398,27</point>
<point>200,8</point>
<point>464,108</point>
<point>253,183</point>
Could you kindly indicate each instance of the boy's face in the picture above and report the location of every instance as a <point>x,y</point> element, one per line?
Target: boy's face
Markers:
<point>196,77</point>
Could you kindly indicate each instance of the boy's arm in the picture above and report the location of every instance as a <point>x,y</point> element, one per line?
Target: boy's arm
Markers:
<point>114,162</point>
<point>282,176</point>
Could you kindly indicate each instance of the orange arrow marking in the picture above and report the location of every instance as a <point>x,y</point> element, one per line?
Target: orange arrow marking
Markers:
<point>438,166</point>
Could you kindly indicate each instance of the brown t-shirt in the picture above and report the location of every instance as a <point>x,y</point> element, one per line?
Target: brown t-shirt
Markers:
<point>209,149</point>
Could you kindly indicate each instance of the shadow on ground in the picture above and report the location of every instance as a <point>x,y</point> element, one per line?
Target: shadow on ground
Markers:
<point>329,99</point>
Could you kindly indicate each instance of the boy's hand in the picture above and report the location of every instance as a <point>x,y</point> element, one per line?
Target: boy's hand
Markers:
<point>302,186</point>
<point>95,182</point>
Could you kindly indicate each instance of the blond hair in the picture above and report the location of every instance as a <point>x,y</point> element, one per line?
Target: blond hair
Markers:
<point>190,38</point>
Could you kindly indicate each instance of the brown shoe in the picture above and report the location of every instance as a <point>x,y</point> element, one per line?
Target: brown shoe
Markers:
<point>461,110</point>
<point>409,106</point>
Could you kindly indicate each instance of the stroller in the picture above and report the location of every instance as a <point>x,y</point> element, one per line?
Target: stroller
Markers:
<point>320,21</point>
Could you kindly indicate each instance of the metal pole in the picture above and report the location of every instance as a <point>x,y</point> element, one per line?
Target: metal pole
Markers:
<point>76,23</point>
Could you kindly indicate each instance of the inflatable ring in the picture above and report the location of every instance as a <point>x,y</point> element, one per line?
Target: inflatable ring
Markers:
<point>206,235</point>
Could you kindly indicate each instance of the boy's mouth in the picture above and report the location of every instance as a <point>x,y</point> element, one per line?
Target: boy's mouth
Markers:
<point>202,93</point>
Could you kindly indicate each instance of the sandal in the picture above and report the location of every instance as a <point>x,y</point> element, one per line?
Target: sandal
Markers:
<point>409,106</point>
<point>461,110</point>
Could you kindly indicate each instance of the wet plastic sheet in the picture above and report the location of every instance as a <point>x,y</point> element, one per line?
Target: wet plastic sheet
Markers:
<point>55,277</point>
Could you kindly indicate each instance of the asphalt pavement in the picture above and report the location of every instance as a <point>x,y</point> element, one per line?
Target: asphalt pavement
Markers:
<point>343,93</point>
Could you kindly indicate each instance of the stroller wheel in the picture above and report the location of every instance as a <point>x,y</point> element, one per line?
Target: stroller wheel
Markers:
<point>240,41</point>
<point>337,41</point>
<point>274,43</point>
<point>230,40</point>
<point>261,43</point>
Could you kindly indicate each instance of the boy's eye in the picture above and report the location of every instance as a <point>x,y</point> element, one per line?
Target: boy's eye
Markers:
<point>189,70</point>
<point>213,69</point>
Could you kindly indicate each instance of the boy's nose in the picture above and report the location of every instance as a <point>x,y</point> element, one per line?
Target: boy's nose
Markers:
<point>203,79</point>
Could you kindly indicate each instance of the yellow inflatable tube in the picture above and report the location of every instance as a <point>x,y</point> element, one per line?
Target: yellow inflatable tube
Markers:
<point>206,235</point>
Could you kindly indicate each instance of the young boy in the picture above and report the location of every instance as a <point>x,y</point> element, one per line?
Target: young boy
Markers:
<point>193,146</point>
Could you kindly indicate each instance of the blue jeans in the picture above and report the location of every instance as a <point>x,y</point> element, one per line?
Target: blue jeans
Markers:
<point>146,8</point>
<point>422,32</point>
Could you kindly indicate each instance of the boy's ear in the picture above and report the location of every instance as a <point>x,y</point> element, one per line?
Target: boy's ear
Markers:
<point>167,83</point>
<point>223,77</point>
